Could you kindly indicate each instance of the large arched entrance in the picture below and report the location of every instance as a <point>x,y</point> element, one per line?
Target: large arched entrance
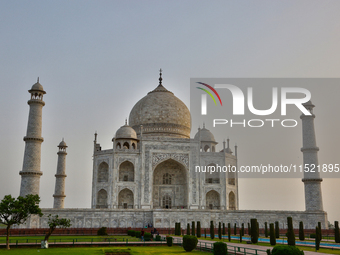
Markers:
<point>170,185</point>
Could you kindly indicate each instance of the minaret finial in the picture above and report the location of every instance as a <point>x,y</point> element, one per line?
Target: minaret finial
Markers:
<point>228,142</point>
<point>125,121</point>
<point>38,80</point>
<point>160,76</point>
<point>203,124</point>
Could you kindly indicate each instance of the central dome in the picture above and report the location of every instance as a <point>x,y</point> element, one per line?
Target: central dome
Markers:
<point>162,114</point>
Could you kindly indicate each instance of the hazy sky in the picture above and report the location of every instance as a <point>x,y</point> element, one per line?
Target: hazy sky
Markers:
<point>96,59</point>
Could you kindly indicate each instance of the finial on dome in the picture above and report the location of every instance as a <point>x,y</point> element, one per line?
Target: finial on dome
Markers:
<point>38,80</point>
<point>160,76</point>
<point>203,124</point>
<point>125,121</point>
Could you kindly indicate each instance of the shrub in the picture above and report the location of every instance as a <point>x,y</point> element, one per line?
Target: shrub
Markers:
<point>219,231</point>
<point>229,232</point>
<point>268,251</point>
<point>272,234</point>
<point>205,233</point>
<point>235,229</point>
<point>198,229</point>
<point>147,236</point>
<point>212,230</point>
<point>286,250</point>
<point>193,231</point>
<point>336,232</point>
<point>219,248</point>
<point>223,229</point>
<point>249,229</point>
<point>158,238</point>
<point>277,229</point>
<point>290,233</point>
<point>102,231</point>
<point>189,242</point>
<point>301,231</point>
<point>313,235</point>
<point>188,229</point>
<point>266,229</point>
<point>137,234</point>
<point>133,233</point>
<point>254,231</point>
<point>169,241</point>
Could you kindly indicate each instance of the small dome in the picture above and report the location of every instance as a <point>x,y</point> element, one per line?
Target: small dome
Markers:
<point>126,132</point>
<point>37,87</point>
<point>204,135</point>
<point>62,144</point>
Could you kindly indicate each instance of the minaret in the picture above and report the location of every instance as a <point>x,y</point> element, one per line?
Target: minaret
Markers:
<point>59,193</point>
<point>30,174</point>
<point>312,180</point>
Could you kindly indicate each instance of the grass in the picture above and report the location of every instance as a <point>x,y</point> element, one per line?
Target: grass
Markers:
<point>34,239</point>
<point>151,250</point>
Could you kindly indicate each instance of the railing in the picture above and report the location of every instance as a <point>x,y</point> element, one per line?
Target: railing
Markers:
<point>209,246</point>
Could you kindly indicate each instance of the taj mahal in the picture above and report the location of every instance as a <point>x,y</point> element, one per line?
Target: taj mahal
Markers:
<point>148,175</point>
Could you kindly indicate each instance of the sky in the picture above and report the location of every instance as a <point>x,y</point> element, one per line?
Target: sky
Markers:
<point>96,59</point>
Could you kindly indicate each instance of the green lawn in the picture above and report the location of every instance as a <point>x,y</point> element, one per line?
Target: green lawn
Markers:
<point>152,250</point>
<point>34,239</point>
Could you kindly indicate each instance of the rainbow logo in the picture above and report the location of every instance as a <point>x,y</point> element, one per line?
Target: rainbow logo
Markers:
<point>209,93</point>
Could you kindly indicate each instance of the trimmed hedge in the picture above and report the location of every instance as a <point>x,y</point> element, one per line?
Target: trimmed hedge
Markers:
<point>158,238</point>
<point>198,229</point>
<point>169,240</point>
<point>219,248</point>
<point>336,232</point>
<point>212,230</point>
<point>290,233</point>
<point>286,250</point>
<point>301,232</point>
<point>147,236</point>
<point>277,229</point>
<point>137,234</point>
<point>193,230</point>
<point>188,229</point>
<point>266,229</point>
<point>272,234</point>
<point>254,230</point>
<point>102,231</point>
<point>219,231</point>
<point>131,232</point>
<point>313,235</point>
<point>189,242</point>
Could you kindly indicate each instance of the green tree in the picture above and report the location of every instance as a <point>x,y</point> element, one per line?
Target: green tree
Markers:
<point>205,233</point>
<point>223,229</point>
<point>266,229</point>
<point>336,232</point>
<point>212,230</point>
<point>219,231</point>
<point>229,232</point>
<point>249,229</point>
<point>198,229</point>
<point>272,234</point>
<point>242,229</point>
<point>16,211</point>
<point>301,231</point>
<point>254,230</point>
<point>188,229</point>
<point>54,222</point>
<point>277,229</point>
<point>193,230</point>
<point>235,229</point>
<point>320,230</point>
<point>317,238</point>
<point>290,233</point>
<point>240,232</point>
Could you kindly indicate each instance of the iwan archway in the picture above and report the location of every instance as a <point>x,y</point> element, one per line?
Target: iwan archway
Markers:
<point>170,183</point>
